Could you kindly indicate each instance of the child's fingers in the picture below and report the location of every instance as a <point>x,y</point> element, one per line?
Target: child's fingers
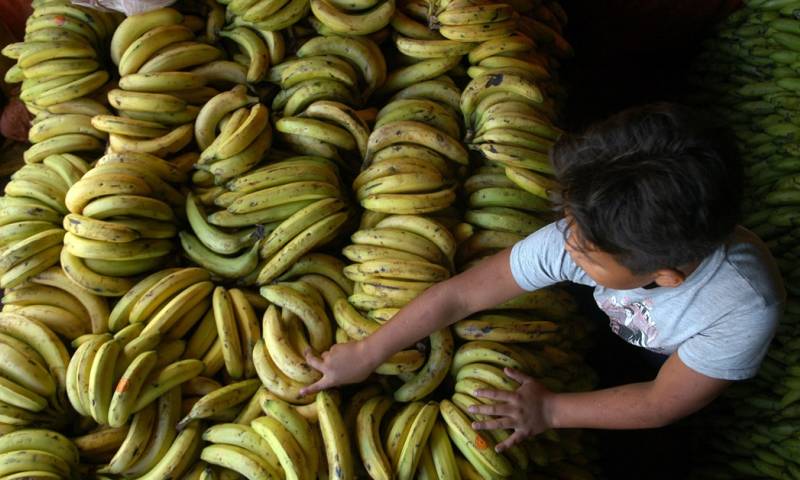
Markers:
<point>516,375</point>
<point>318,386</point>
<point>496,410</point>
<point>494,424</point>
<point>509,442</point>
<point>314,361</point>
<point>500,395</point>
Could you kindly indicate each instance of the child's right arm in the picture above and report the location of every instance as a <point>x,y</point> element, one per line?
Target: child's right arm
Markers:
<point>484,286</point>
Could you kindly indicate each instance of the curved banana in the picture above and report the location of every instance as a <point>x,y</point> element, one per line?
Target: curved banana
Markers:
<point>220,399</point>
<point>299,427</point>
<point>135,26</point>
<point>434,371</point>
<point>275,381</point>
<point>476,447</point>
<point>314,235</point>
<point>243,436</point>
<point>335,437</point>
<point>255,48</point>
<point>298,222</point>
<point>179,56</point>
<point>362,52</point>
<point>146,45</point>
<point>227,267</point>
<point>162,436</point>
<point>420,110</point>
<point>179,457</point>
<point>416,441</point>
<point>284,445</point>
<point>215,109</point>
<point>169,377</point>
<point>94,305</point>
<point>421,71</point>
<point>369,442</point>
<point>353,23</point>
<point>240,460</point>
<point>416,132</point>
<point>135,441</point>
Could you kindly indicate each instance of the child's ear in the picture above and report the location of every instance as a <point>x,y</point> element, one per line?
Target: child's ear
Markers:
<point>669,277</point>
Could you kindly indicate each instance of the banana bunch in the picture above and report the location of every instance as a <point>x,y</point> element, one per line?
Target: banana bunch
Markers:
<point>337,68</point>
<point>474,20</point>
<point>54,300</point>
<point>295,321</point>
<point>37,453</point>
<point>33,365</point>
<point>479,365</point>
<point>234,133</point>
<point>333,129</point>
<point>413,153</point>
<point>146,446</point>
<point>59,61</point>
<point>267,16</point>
<point>114,378</point>
<point>120,223</point>
<point>278,441</point>
<point>158,97</point>
<point>411,444</point>
<point>410,19</point>
<point>353,17</point>
<point>224,335</point>
<point>30,216</point>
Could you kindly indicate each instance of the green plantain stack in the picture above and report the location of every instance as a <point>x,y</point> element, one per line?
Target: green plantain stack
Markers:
<point>747,75</point>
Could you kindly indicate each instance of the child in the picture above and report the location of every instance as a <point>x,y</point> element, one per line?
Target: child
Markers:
<point>650,200</point>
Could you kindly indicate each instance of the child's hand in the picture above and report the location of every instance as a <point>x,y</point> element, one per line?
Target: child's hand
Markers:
<point>524,410</point>
<point>344,363</point>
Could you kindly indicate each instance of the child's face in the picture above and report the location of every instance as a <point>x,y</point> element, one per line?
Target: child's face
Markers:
<point>602,267</point>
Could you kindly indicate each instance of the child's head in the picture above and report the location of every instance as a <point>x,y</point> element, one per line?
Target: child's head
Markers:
<point>647,193</point>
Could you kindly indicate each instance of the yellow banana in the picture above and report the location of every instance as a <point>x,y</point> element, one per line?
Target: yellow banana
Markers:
<point>255,48</point>
<point>133,27</point>
<point>274,380</point>
<point>370,447</point>
<point>353,23</point>
<point>335,438</point>
<point>170,142</point>
<point>314,235</point>
<point>362,52</point>
<point>419,133</point>
<point>284,445</point>
<point>215,109</point>
<point>434,371</point>
<point>62,125</point>
<point>421,71</point>
<point>179,56</point>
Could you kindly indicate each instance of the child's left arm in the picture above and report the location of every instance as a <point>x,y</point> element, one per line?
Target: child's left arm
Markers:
<point>676,392</point>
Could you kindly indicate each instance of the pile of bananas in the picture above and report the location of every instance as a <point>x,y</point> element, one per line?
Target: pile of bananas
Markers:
<point>338,68</point>
<point>156,99</point>
<point>45,449</point>
<point>33,369</point>
<point>121,221</point>
<point>267,15</point>
<point>178,367</point>
<point>60,66</point>
<point>746,75</point>
<point>297,204</point>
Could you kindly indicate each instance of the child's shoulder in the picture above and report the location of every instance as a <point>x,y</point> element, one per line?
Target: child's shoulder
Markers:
<point>750,270</point>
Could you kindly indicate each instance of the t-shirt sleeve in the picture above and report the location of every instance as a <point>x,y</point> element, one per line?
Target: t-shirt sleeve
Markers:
<point>541,260</point>
<point>733,347</point>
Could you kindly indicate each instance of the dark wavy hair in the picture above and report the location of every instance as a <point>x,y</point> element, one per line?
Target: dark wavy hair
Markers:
<point>657,186</point>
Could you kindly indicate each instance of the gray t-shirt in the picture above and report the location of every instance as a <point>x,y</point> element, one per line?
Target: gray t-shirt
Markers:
<point>720,319</point>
